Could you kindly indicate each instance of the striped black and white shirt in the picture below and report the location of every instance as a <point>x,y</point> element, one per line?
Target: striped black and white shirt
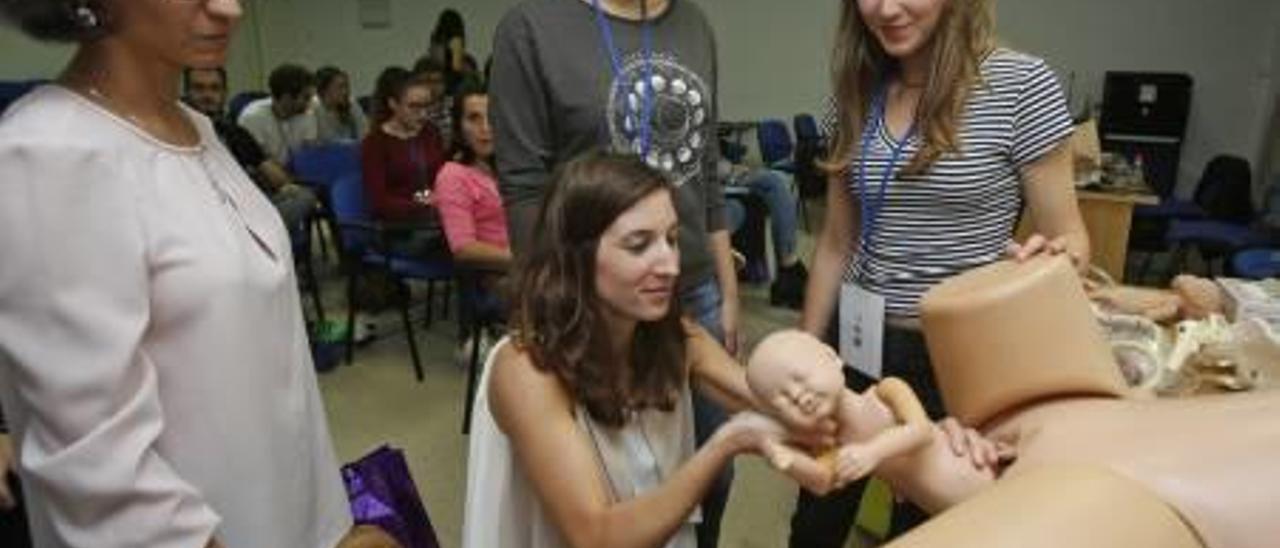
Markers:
<point>960,214</point>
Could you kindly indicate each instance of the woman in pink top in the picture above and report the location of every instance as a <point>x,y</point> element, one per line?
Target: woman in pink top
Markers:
<point>466,195</point>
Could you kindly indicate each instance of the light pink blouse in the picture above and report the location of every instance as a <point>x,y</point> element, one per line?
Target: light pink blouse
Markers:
<point>153,358</point>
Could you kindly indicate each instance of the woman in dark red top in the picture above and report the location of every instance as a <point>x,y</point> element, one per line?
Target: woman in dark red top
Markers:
<point>402,152</point>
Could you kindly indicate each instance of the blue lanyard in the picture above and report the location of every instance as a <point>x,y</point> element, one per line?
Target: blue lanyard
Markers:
<point>871,210</point>
<point>615,62</point>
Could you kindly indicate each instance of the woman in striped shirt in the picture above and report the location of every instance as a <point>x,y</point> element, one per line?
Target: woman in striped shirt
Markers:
<point>940,139</point>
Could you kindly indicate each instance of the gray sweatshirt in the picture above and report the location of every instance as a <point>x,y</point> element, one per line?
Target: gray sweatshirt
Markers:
<point>554,95</point>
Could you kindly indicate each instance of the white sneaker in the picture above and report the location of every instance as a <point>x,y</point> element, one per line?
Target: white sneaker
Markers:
<point>366,328</point>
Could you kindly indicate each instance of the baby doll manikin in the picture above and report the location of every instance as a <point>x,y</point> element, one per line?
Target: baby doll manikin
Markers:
<point>884,430</point>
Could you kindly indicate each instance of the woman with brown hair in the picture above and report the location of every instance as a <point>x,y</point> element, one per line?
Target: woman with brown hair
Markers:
<point>153,357</point>
<point>940,140</point>
<point>583,423</point>
<point>400,157</point>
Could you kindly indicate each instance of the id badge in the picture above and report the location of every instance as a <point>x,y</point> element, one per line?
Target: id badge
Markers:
<point>862,329</point>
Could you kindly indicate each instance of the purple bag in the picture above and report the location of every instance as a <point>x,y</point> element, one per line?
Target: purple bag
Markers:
<point>383,494</point>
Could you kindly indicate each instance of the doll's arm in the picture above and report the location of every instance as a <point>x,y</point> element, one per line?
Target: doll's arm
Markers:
<point>912,432</point>
<point>914,429</point>
<point>816,474</point>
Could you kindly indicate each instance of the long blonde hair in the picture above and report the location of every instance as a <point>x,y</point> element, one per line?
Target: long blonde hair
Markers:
<point>964,36</point>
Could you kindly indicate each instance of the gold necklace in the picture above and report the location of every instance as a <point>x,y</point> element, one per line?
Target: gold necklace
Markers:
<point>157,131</point>
<point>105,102</point>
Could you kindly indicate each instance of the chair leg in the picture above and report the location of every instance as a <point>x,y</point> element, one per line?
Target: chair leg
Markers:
<point>473,374</point>
<point>408,329</point>
<point>431,297</point>
<point>351,309</point>
<point>310,272</point>
<point>1177,261</point>
<point>448,290</point>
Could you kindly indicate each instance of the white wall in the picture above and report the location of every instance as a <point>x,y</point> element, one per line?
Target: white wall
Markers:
<point>1225,45</point>
<point>1271,143</point>
<point>320,32</point>
<point>773,54</point>
<point>24,59</point>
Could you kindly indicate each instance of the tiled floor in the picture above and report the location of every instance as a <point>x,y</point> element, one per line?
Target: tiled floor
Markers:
<point>377,401</point>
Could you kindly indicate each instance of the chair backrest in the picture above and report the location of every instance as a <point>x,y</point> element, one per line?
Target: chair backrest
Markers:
<point>325,164</point>
<point>346,199</point>
<point>1226,188</point>
<point>806,128</point>
<point>1271,206</point>
<point>775,141</point>
<point>811,181</point>
<point>241,100</point>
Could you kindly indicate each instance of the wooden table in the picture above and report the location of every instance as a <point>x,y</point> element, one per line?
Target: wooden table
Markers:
<point>1107,217</point>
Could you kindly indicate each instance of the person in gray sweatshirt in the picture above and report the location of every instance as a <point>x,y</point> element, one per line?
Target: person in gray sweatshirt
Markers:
<point>569,76</point>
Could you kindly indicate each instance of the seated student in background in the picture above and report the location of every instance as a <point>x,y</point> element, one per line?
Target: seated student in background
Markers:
<point>401,155</point>
<point>206,91</point>
<point>771,186</point>
<point>465,191</point>
<point>466,195</point>
<point>439,112</point>
<point>283,122</point>
<point>337,118</point>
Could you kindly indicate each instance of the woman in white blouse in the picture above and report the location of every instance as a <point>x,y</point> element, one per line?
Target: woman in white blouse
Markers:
<point>153,360</point>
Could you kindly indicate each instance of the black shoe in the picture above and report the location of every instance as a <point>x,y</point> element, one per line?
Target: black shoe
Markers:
<point>788,289</point>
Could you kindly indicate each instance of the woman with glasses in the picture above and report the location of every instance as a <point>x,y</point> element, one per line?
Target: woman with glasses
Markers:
<point>153,359</point>
<point>401,155</point>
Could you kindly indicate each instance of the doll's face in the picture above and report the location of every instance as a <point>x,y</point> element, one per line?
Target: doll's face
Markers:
<point>797,377</point>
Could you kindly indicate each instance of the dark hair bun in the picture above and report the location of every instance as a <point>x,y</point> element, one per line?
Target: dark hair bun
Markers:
<point>53,20</point>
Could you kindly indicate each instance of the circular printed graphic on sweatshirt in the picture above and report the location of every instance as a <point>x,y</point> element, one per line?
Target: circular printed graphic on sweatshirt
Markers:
<point>680,110</point>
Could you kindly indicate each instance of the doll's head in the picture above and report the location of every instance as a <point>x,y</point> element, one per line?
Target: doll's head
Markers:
<point>796,377</point>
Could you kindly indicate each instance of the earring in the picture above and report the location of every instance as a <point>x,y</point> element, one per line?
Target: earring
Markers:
<point>85,16</point>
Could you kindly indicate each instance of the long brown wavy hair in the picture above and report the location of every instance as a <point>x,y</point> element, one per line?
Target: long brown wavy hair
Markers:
<point>964,36</point>
<point>559,319</point>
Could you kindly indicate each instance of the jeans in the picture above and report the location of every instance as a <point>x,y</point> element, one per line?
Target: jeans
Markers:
<point>820,522</point>
<point>702,304</point>
<point>771,186</point>
<point>295,204</point>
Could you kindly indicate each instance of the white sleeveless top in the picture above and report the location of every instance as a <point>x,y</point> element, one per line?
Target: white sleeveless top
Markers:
<point>502,508</point>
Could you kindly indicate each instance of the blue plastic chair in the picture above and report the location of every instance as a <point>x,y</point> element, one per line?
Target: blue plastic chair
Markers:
<point>322,165</point>
<point>364,246</point>
<point>1225,197</point>
<point>806,128</point>
<point>317,168</point>
<point>1256,264</point>
<point>810,180</point>
<point>474,318</point>
<point>775,145</point>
